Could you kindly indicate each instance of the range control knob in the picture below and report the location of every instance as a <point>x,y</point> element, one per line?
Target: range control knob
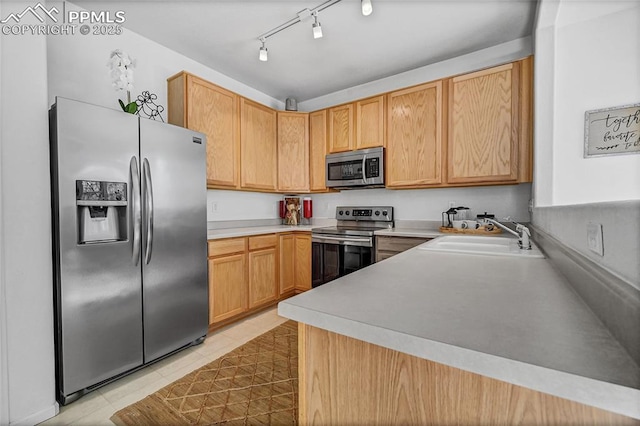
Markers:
<point>384,212</point>
<point>340,212</point>
<point>377,213</point>
<point>347,212</point>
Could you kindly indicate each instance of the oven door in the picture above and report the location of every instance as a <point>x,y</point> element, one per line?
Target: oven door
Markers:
<point>334,257</point>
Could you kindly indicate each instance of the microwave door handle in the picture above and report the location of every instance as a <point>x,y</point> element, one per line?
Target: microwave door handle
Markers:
<point>364,170</point>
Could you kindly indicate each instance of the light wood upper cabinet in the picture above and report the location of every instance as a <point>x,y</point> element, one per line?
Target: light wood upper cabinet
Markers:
<point>258,146</point>
<point>204,107</point>
<point>341,134</point>
<point>370,125</point>
<point>415,136</point>
<point>293,151</point>
<point>483,126</point>
<point>317,150</point>
<point>525,147</point>
<point>302,262</point>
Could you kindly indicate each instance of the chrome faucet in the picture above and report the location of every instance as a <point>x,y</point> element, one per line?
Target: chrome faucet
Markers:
<point>522,232</point>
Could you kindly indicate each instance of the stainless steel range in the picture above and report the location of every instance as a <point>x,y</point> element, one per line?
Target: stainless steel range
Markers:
<point>349,246</point>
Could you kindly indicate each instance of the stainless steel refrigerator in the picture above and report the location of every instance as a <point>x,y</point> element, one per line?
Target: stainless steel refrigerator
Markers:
<point>129,242</point>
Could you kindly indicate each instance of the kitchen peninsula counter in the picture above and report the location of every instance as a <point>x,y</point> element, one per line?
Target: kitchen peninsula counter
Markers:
<point>513,320</point>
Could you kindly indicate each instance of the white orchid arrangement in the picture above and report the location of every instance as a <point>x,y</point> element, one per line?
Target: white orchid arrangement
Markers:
<point>121,66</point>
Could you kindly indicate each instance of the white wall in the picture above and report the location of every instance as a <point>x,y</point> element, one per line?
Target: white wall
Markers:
<point>587,57</point>
<point>78,69</point>
<point>241,205</point>
<point>428,204</point>
<point>4,379</point>
<point>26,229</point>
<point>500,54</point>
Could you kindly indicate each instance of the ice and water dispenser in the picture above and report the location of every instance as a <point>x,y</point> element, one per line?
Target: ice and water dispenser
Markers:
<point>101,211</point>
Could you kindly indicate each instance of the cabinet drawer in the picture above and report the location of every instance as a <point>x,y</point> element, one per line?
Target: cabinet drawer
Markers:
<point>398,244</point>
<point>262,241</point>
<point>226,246</point>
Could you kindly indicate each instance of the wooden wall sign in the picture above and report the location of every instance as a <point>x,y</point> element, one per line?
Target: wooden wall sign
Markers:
<point>612,131</point>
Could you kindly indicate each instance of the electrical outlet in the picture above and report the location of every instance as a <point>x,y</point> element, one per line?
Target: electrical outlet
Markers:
<point>213,207</point>
<point>594,238</point>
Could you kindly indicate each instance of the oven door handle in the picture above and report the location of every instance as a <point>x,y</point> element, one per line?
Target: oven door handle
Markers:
<point>344,241</point>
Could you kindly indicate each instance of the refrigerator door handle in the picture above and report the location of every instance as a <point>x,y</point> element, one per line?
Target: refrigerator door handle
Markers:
<point>135,209</point>
<point>148,199</point>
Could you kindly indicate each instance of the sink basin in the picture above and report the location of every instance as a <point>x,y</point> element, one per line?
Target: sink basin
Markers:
<point>480,245</point>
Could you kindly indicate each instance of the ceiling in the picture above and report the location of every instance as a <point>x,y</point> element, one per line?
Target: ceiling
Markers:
<point>398,36</point>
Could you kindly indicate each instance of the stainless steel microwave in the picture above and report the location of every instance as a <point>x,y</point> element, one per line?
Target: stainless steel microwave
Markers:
<point>361,168</point>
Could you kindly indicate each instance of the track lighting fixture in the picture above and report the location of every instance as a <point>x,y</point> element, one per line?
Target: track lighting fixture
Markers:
<point>367,7</point>
<point>317,29</point>
<point>304,15</point>
<point>263,52</point>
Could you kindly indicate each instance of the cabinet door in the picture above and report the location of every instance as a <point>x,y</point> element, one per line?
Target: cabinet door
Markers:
<point>483,126</point>
<point>214,112</point>
<point>318,150</point>
<point>414,145</point>
<point>227,287</point>
<point>263,284</point>
<point>287,263</point>
<point>370,123</point>
<point>258,153</point>
<point>341,128</point>
<point>303,262</point>
<point>293,151</point>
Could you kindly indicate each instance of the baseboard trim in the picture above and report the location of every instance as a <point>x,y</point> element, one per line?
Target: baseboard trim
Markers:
<point>38,417</point>
<point>614,301</point>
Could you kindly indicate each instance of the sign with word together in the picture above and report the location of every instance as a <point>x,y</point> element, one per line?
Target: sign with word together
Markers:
<point>612,131</point>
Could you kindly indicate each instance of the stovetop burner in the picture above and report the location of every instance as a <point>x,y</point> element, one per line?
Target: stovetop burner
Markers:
<point>361,221</point>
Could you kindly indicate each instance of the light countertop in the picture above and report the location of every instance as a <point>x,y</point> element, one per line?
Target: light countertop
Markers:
<point>510,319</point>
<point>215,234</point>
<point>410,232</point>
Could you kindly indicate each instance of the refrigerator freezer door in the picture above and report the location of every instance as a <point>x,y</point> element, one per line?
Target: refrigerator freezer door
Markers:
<point>174,255</point>
<point>98,286</point>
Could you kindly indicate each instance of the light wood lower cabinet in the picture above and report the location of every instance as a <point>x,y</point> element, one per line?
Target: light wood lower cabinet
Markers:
<point>303,262</point>
<point>247,274</point>
<point>263,274</point>
<point>347,381</point>
<point>295,263</point>
<point>387,247</point>
<point>227,279</point>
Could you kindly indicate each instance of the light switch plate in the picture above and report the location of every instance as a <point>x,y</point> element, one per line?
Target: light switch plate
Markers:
<point>594,238</point>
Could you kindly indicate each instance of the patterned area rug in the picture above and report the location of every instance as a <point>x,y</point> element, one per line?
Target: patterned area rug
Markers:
<point>256,383</point>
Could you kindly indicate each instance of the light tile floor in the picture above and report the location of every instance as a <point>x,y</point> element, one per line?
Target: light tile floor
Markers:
<point>96,407</point>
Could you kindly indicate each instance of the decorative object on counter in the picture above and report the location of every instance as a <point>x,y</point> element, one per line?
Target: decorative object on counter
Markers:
<point>121,66</point>
<point>147,108</point>
<point>456,214</point>
<point>307,209</point>
<point>292,214</point>
<point>282,209</point>
<point>481,230</point>
<point>458,220</point>
<point>612,131</point>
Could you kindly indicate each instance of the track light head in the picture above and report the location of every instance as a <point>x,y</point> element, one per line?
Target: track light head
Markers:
<point>367,7</point>
<point>317,29</point>
<point>263,52</point>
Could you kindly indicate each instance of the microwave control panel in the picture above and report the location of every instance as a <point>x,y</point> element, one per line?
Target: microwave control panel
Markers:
<point>372,167</point>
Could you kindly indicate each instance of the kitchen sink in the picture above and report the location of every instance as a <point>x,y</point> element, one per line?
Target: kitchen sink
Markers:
<point>481,245</point>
